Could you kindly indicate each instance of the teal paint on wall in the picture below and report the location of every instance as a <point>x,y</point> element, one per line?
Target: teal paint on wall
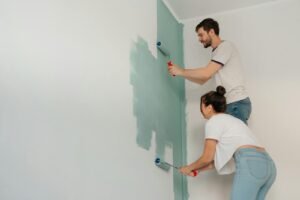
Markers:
<point>159,99</point>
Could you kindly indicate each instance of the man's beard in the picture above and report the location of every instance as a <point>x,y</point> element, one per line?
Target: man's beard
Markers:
<point>208,44</point>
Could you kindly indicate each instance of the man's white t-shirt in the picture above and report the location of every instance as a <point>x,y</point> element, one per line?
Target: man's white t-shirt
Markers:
<point>230,76</point>
<point>231,133</point>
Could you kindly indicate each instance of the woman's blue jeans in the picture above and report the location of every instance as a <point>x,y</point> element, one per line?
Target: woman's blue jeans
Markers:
<point>255,174</point>
<point>240,109</point>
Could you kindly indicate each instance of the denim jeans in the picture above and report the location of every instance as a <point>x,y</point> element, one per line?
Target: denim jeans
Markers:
<point>255,174</point>
<point>240,109</point>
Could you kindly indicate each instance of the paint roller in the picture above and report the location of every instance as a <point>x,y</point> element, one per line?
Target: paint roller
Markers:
<point>163,49</point>
<point>166,166</point>
<point>165,52</point>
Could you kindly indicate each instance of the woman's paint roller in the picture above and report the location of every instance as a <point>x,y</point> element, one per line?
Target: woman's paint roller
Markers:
<point>166,166</point>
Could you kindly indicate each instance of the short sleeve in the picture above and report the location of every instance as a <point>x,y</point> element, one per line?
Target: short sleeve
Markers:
<point>222,53</point>
<point>213,130</point>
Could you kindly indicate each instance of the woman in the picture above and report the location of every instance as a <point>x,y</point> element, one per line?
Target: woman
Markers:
<point>230,147</point>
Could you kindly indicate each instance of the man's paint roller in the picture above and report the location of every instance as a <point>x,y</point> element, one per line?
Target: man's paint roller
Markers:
<point>164,51</point>
<point>166,166</point>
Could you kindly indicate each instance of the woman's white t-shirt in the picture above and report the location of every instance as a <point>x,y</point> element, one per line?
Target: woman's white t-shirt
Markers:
<point>231,133</point>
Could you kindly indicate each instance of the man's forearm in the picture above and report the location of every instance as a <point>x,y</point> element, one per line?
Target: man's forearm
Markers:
<point>198,75</point>
<point>201,82</point>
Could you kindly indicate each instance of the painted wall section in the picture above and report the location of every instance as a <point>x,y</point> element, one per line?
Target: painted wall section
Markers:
<point>159,99</point>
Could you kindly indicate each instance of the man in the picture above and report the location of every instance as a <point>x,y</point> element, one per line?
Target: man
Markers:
<point>225,67</point>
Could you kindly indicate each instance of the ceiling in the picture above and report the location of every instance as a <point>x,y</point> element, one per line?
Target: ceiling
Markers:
<point>186,9</point>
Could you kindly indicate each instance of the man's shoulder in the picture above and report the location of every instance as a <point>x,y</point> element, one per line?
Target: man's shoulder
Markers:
<point>226,43</point>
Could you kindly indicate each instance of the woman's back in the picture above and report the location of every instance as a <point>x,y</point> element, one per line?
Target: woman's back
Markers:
<point>231,133</point>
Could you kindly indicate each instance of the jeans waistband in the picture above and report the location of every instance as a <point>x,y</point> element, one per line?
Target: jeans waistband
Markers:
<point>251,152</point>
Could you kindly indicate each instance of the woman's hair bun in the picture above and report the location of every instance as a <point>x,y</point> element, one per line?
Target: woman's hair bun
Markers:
<point>221,90</point>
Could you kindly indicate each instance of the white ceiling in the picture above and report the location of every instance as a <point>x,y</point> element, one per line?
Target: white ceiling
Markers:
<point>186,9</point>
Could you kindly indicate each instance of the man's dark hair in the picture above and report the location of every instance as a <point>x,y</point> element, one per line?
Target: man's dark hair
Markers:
<point>208,24</point>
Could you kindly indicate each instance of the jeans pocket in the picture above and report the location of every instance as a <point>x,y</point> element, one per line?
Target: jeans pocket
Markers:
<point>258,167</point>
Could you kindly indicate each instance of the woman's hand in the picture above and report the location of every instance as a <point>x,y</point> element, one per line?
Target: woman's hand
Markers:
<point>186,170</point>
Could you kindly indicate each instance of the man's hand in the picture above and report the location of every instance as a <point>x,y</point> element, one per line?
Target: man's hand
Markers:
<point>175,70</point>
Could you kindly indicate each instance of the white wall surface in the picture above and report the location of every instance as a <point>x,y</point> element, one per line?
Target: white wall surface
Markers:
<point>267,38</point>
<point>67,129</point>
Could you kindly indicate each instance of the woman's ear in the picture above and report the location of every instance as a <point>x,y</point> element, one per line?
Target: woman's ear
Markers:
<point>210,107</point>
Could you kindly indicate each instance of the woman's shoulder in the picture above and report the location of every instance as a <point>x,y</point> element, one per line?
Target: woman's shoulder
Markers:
<point>223,118</point>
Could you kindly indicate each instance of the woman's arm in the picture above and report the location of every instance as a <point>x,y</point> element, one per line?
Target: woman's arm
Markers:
<point>206,158</point>
<point>207,167</point>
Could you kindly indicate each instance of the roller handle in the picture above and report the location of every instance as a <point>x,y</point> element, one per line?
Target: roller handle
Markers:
<point>157,162</point>
<point>170,64</point>
<point>195,173</point>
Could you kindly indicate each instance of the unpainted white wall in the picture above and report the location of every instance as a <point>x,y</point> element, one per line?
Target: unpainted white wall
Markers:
<point>67,129</point>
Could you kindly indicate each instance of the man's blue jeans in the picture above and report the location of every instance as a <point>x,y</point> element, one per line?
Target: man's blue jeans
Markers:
<point>240,109</point>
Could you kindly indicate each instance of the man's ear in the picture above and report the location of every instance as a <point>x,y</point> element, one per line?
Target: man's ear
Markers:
<point>211,32</point>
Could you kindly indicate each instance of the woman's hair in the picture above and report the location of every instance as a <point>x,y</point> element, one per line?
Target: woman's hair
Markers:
<point>216,99</point>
